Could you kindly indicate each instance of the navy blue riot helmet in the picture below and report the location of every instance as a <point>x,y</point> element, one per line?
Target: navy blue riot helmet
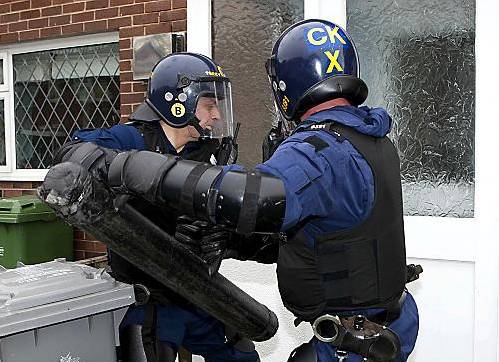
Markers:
<point>314,61</point>
<point>179,83</point>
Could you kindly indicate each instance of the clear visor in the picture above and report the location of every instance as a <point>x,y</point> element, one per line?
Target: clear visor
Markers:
<point>214,108</point>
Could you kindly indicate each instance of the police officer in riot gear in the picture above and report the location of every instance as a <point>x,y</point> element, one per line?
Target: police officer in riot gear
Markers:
<point>332,187</point>
<point>187,113</point>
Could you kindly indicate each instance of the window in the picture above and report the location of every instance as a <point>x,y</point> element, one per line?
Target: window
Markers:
<point>243,58</point>
<point>420,65</point>
<point>55,90</point>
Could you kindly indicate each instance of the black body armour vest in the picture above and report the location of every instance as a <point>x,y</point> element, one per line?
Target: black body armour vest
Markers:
<point>156,141</point>
<point>357,268</point>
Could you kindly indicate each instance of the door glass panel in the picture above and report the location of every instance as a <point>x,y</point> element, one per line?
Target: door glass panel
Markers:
<point>243,35</point>
<point>418,60</point>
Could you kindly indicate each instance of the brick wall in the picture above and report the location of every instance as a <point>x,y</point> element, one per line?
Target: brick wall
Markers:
<point>30,20</point>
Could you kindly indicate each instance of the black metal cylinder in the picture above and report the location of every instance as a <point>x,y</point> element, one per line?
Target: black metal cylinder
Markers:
<point>89,205</point>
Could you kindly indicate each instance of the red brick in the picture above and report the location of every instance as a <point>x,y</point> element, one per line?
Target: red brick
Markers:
<point>161,5</point>
<point>20,5</point>
<point>100,247</point>
<point>20,25</point>
<point>126,76</point>
<point>9,38</point>
<point>5,8</point>
<point>125,43</point>
<point>94,26</point>
<point>139,87</point>
<point>73,8</point>
<point>125,65</point>
<point>106,13</point>
<point>81,245</point>
<point>60,20</point>
<point>12,193</point>
<point>3,28</point>
<point>28,192</point>
<point>132,9</point>
<point>125,87</point>
<point>97,4</point>
<point>126,54</point>
<point>132,98</point>
<point>158,28</point>
<point>6,184</point>
<point>78,234</point>
<point>72,29</point>
<point>119,22</point>
<point>29,35</point>
<point>51,11</point>
<point>38,23</point>
<point>124,118</point>
<point>22,185</point>
<point>8,18</point>
<point>91,254</point>
<point>177,14</point>
<point>81,17</point>
<point>40,3</point>
<point>51,32</point>
<point>78,254</point>
<point>179,4</point>
<point>121,2</point>
<point>126,109</point>
<point>129,32</point>
<point>56,2</point>
<point>180,25</point>
<point>30,14</point>
<point>145,19</point>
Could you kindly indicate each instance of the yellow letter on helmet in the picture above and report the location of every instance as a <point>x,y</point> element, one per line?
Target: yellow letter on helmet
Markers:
<point>333,61</point>
<point>312,40</point>
<point>333,33</point>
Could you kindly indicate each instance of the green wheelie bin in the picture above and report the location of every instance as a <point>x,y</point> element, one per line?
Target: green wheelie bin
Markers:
<point>30,233</point>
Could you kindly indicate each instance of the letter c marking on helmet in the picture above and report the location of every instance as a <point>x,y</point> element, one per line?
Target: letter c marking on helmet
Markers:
<point>314,41</point>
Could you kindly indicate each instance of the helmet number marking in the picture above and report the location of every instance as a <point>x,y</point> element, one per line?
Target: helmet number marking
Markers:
<point>178,110</point>
<point>285,103</point>
<point>333,61</point>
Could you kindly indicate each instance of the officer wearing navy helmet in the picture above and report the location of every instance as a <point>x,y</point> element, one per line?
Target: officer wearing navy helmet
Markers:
<point>331,188</point>
<point>187,113</point>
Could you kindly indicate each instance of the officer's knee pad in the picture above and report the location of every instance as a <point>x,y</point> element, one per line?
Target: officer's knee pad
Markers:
<point>304,353</point>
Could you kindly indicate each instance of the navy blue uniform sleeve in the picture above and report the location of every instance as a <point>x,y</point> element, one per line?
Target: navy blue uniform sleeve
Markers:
<point>120,137</point>
<point>307,178</point>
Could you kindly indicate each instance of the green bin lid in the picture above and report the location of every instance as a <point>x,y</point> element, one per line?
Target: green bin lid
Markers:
<point>24,209</point>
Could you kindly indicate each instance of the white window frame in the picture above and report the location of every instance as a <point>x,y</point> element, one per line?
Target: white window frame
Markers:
<point>4,87</point>
<point>10,172</point>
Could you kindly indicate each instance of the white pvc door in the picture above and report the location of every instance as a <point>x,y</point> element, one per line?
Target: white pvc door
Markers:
<point>458,292</point>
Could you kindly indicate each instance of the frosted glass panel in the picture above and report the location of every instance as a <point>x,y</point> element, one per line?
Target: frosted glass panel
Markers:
<point>243,35</point>
<point>418,60</point>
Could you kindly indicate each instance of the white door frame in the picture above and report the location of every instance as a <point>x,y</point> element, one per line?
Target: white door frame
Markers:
<point>438,238</point>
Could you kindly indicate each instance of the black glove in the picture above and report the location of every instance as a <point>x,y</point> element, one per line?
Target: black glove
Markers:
<point>227,152</point>
<point>260,248</point>
<point>94,158</point>
<point>203,238</point>
<point>273,139</point>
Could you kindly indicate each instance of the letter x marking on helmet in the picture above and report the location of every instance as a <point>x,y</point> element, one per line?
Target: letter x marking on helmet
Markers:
<point>333,61</point>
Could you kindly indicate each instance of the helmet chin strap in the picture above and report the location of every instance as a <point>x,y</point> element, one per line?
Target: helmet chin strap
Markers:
<point>203,133</point>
